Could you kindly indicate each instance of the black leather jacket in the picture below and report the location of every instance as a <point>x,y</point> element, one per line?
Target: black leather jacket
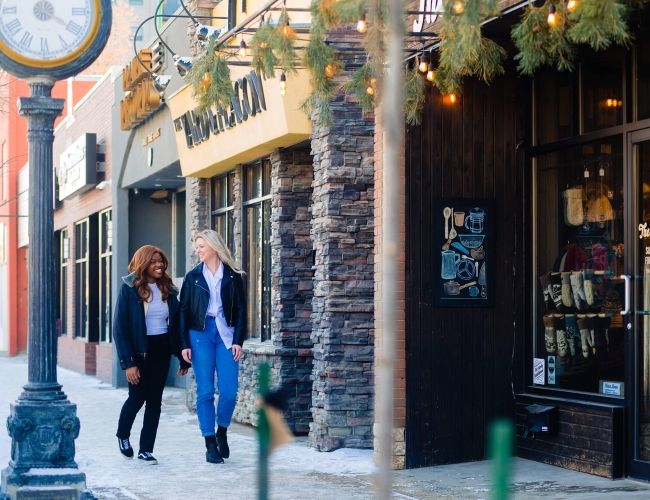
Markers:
<point>195,296</point>
<point>130,328</point>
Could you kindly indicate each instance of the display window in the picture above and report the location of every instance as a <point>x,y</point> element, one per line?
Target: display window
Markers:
<point>579,244</point>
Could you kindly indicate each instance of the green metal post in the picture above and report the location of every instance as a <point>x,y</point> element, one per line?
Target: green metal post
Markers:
<point>501,442</point>
<point>264,433</point>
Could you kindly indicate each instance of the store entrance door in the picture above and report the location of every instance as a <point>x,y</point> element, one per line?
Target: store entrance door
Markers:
<point>638,322</point>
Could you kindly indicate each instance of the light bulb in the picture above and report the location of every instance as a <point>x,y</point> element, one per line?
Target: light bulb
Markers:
<point>610,103</point>
<point>370,90</point>
<point>551,19</point>
<point>373,81</point>
<point>329,71</point>
<point>287,30</point>
<point>205,81</point>
<point>459,7</point>
<point>264,45</point>
<point>283,84</point>
<point>243,52</point>
<point>424,62</point>
<point>572,5</point>
<point>430,75</point>
<point>361,24</point>
<point>452,98</point>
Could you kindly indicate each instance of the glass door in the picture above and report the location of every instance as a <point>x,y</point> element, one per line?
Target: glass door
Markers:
<point>638,324</point>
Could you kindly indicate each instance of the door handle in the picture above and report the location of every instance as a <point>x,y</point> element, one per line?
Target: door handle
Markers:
<point>628,280</point>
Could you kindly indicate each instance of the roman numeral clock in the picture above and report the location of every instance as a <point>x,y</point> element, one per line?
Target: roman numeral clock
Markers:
<point>53,38</point>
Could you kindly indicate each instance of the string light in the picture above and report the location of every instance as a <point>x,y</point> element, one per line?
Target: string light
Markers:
<point>551,19</point>
<point>424,62</point>
<point>452,98</point>
<point>329,71</point>
<point>459,7</point>
<point>283,84</point>
<point>572,5</point>
<point>430,75</point>
<point>361,24</point>
<point>243,49</point>
<point>287,30</point>
<point>370,90</point>
<point>205,81</point>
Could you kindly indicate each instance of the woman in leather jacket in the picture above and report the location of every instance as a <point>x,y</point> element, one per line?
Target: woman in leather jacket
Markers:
<point>212,331</point>
<point>145,331</point>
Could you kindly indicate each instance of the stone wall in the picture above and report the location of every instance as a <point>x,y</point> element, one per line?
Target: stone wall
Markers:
<point>342,235</point>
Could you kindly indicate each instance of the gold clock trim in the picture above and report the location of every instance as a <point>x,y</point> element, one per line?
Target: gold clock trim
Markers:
<point>60,61</point>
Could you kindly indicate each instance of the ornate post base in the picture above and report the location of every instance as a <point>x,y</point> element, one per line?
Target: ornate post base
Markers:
<point>42,462</point>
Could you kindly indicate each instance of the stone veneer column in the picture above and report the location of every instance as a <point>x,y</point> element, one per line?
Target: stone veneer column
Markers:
<point>342,319</point>
<point>288,352</point>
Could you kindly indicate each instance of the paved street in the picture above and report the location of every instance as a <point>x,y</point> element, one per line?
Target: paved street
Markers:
<point>297,472</point>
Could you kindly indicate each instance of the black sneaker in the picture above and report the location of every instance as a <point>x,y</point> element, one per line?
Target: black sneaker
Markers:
<point>125,448</point>
<point>147,458</point>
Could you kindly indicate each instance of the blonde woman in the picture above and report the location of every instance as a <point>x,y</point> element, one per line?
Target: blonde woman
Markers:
<point>212,331</point>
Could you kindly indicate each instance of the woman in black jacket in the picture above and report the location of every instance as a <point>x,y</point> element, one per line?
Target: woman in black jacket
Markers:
<point>213,328</point>
<point>145,330</point>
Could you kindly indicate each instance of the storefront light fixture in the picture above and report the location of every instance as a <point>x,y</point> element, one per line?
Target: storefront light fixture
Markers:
<point>424,62</point>
<point>431,75</point>
<point>243,48</point>
<point>160,83</point>
<point>362,26</point>
<point>183,64</point>
<point>551,19</point>
<point>613,103</point>
<point>283,84</point>
<point>572,5</point>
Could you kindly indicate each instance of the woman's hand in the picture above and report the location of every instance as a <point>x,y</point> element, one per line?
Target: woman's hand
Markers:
<point>187,355</point>
<point>181,371</point>
<point>133,375</point>
<point>236,352</point>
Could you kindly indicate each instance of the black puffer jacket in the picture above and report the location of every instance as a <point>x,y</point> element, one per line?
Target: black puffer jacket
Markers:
<point>130,327</point>
<point>195,296</point>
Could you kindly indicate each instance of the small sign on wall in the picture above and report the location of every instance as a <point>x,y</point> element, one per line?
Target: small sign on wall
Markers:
<point>539,371</point>
<point>463,252</point>
<point>551,370</point>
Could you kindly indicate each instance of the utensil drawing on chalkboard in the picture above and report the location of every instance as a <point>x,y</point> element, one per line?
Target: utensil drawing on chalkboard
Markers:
<point>473,291</point>
<point>448,267</point>
<point>471,240</point>
<point>465,270</point>
<point>447,213</point>
<point>481,279</point>
<point>476,263</point>
<point>467,285</point>
<point>467,258</point>
<point>460,247</point>
<point>474,221</point>
<point>451,288</point>
<point>446,245</point>
<point>478,253</point>
<point>452,231</point>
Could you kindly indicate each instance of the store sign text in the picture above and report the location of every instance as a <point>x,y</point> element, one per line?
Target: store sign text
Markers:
<point>431,8</point>
<point>644,231</point>
<point>248,100</point>
<point>78,166</point>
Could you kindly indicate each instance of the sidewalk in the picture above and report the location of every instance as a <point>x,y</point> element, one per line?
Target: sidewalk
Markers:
<point>297,471</point>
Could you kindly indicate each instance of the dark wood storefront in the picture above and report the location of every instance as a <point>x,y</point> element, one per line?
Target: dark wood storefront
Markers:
<point>466,366</point>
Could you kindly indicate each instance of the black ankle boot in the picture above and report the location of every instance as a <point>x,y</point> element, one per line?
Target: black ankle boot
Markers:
<point>222,442</point>
<point>212,454</point>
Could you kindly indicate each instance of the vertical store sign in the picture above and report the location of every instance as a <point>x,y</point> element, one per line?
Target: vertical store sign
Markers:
<point>78,166</point>
<point>428,14</point>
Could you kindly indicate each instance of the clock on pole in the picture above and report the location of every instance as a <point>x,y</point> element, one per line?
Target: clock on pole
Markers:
<point>43,41</point>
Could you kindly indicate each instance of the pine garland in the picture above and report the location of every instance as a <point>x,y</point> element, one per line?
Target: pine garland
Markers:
<point>263,59</point>
<point>282,43</point>
<point>599,23</point>
<point>361,80</point>
<point>414,96</point>
<point>210,79</point>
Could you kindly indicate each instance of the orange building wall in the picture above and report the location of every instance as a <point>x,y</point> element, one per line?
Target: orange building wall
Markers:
<point>13,132</point>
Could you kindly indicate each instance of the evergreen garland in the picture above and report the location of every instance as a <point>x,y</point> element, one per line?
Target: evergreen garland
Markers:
<point>210,79</point>
<point>282,43</point>
<point>414,96</point>
<point>361,80</point>
<point>263,59</point>
<point>599,23</point>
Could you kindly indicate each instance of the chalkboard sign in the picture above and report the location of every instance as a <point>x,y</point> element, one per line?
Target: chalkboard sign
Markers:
<point>463,258</point>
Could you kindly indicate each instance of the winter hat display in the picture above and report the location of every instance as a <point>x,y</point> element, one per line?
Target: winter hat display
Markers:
<point>546,290</point>
<point>549,334</point>
<point>592,321</point>
<point>573,211</point>
<point>598,207</point>
<point>567,297</point>
<point>556,291</point>
<point>593,285</point>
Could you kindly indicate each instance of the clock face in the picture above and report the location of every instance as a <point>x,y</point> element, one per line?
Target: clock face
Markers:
<point>47,31</point>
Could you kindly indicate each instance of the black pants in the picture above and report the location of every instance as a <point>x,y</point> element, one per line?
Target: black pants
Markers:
<point>153,375</point>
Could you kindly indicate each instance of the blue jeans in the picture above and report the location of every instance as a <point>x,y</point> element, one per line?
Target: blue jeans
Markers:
<point>209,354</point>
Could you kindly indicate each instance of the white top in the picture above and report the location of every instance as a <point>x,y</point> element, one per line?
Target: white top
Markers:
<point>215,307</point>
<point>156,313</point>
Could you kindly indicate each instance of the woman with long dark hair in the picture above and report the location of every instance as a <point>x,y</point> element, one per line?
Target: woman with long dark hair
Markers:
<point>213,328</point>
<point>145,330</point>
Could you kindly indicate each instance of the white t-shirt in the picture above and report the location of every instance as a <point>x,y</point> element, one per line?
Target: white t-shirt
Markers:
<point>157,313</point>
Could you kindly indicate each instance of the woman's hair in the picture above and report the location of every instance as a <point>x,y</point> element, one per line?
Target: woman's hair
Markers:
<point>139,264</point>
<point>215,241</point>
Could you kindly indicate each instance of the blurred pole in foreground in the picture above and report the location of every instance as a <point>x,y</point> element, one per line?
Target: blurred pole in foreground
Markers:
<point>264,433</point>
<point>501,443</point>
<point>392,119</point>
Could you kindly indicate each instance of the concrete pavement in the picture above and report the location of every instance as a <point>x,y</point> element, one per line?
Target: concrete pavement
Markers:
<point>297,471</point>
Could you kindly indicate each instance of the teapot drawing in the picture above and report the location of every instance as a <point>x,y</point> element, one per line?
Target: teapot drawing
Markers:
<point>474,221</point>
<point>449,261</point>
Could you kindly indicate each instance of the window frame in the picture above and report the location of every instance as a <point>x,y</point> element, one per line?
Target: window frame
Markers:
<point>226,210</point>
<point>106,262</point>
